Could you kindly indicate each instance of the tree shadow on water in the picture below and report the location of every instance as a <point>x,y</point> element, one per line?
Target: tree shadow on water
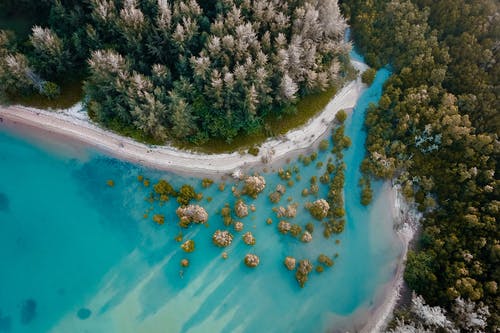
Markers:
<point>4,203</point>
<point>5,323</point>
<point>28,311</point>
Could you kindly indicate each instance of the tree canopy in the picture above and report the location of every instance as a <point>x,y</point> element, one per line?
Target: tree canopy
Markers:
<point>435,131</point>
<point>186,69</point>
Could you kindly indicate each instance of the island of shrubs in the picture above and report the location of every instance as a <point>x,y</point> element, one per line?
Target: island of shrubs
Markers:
<point>191,213</point>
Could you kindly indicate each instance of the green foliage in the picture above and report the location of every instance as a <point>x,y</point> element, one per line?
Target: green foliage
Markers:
<point>301,275</point>
<point>159,219</point>
<point>366,191</point>
<point>206,182</point>
<point>433,131</point>
<point>419,271</point>
<point>254,150</point>
<point>368,76</point>
<point>341,116</point>
<point>330,167</point>
<point>275,197</point>
<point>188,246</point>
<point>163,188</point>
<point>323,145</point>
<point>325,260</point>
<point>226,215</point>
<point>186,194</point>
<point>51,90</point>
<point>295,230</point>
<point>325,178</point>
<point>179,80</point>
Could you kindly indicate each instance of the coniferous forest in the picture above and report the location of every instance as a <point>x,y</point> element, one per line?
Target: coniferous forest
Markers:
<point>435,131</point>
<point>195,70</point>
<point>187,70</point>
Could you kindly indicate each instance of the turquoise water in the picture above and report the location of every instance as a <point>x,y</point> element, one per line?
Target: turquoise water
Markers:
<point>70,245</point>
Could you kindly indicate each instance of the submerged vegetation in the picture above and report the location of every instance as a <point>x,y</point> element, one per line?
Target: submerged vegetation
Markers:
<point>435,131</point>
<point>236,214</point>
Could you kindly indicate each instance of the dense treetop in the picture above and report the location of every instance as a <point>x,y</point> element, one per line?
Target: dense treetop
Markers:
<point>188,69</point>
<point>435,131</point>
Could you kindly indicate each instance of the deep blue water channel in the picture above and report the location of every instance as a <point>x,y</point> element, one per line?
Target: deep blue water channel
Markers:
<point>78,256</point>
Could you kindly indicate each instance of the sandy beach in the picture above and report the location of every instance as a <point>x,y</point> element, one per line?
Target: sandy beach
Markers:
<point>375,316</point>
<point>405,228</point>
<point>73,125</point>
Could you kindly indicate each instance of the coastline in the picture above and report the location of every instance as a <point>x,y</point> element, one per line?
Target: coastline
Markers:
<point>406,221</point>
<point>69,123</point>
<point>76,127</point>
<point>374,317</point>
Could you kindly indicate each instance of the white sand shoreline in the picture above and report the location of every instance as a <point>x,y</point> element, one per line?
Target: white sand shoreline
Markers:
<point>405,227</point>
<point>69,123</point>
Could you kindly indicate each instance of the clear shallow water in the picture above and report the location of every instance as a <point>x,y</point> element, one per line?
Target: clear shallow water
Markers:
<point>68,241</point>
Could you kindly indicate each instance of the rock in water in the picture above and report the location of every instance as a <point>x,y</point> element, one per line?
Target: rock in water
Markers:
<point>83,313</point>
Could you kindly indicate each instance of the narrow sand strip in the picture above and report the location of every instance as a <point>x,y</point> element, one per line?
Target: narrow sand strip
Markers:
<point>71,124</point>
<point>407,219</point>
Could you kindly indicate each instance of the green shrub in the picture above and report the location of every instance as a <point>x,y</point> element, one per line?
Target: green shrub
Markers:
<point>206,182</point>
<point>159,219</point>
<point>368,76</point>
<point>325,260</point>
<point>162,187</point>
<point>188,246</point>
<point>186,194</point>
<point>366,195</point>
<point>253,151</point>
<point>295,230</point>
<point>341,116</point>
<point>323,145</point>
<point>51,90</point>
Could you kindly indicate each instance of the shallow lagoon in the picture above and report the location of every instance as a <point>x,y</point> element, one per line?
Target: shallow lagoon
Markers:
<point>69,243</point>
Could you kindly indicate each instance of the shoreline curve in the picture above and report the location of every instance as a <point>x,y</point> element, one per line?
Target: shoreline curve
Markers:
<point>67,123</point>
<point>169,158</point>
